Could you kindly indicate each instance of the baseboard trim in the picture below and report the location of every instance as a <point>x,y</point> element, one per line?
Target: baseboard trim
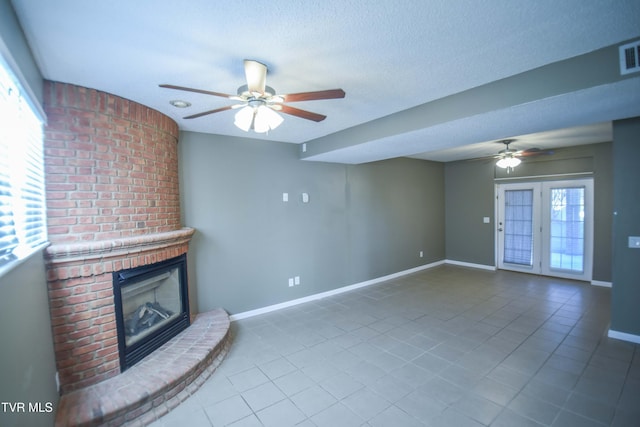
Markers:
<point>624,336</point>
<point>286,304</point>
<point>601,283</point>
<point>470,264</point>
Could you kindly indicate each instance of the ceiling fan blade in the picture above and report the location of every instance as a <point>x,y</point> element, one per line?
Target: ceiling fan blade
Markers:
<point>204,113</point>
<point>256,74</point>
<point>479,159</point>
<point>302,113</point>
<point>534,152</point>
<point>312,96</point>
<point>188,89</point>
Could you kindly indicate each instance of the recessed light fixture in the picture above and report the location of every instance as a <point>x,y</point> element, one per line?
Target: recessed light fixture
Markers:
<point>179,103</point>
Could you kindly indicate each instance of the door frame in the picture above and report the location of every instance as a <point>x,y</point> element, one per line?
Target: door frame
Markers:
<point>541,238</point>
<point>588,229</point>
<point>500,189</point>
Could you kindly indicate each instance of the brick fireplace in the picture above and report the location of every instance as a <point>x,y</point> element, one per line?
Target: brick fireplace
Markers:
<point>112,204</point>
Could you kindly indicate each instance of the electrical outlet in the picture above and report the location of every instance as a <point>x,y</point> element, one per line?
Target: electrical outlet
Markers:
<point>296,280</point>
<point>285,197</point>
<point>290,281</point>
<point>421,254</point>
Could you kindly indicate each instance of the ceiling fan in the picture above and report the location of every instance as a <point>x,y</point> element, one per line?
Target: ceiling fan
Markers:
<point>259,102</point>
<point>508,158</point>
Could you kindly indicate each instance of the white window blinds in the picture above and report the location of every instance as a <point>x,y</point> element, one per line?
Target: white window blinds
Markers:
<point>518,227</point>
<point>22,192</point>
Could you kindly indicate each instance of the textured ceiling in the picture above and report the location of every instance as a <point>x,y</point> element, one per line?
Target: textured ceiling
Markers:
<point>388,56</point>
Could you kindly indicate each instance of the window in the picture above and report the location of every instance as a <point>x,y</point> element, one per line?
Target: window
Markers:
<point>518,227</point>
<point>22,194</point>
<point>567,242</point>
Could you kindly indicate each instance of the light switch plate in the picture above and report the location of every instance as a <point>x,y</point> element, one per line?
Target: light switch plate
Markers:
<point>634,242</point>
<point>486,220</point>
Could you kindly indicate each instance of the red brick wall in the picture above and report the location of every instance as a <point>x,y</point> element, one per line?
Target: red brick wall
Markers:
<point>112,203</point>
<point>111,165</point>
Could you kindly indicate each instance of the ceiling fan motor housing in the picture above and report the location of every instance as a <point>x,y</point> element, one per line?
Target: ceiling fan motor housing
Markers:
<point>243,91</point>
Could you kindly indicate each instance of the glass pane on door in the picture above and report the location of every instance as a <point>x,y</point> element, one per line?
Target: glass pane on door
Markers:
<point>567,237</point>
<point>518,227</point>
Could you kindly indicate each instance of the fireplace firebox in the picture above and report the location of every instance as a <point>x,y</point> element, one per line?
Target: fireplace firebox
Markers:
<point>151,307</point>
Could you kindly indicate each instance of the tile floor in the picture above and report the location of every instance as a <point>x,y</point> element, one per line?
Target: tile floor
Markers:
<point>449,346</point>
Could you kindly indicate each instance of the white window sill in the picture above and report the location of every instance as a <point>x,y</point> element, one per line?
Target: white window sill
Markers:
<point>17,262</point>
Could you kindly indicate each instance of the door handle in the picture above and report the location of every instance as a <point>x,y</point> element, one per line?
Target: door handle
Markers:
<point>499,229</point>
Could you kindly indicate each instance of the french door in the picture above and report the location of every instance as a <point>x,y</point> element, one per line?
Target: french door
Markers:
<point>546,228</point>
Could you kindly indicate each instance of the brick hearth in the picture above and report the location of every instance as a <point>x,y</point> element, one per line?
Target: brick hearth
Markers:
<point>157,384</point>
<point>112,203</point>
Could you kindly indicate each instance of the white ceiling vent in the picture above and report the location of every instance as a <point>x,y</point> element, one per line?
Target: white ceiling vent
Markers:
<point>630,57</point>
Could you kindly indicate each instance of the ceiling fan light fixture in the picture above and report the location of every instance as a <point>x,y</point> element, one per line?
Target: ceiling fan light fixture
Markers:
<point>261,119</point>
<point>266,119</point>
<point>508,162</point>
<point>244,118</point>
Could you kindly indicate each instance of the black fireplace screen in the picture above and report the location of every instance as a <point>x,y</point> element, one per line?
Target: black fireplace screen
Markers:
<point>152,306</point>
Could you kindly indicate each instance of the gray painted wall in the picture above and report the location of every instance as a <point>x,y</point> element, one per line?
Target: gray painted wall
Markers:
<point>362,222</point>
<point>13,45</point>
<point>27,360</point>
<point>625,296</point>
<point>470,196</point>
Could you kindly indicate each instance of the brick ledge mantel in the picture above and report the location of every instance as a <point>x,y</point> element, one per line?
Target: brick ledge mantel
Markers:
<point>124,246</point>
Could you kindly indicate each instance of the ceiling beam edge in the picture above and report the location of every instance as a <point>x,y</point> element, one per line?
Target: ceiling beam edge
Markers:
<point>592,69</point>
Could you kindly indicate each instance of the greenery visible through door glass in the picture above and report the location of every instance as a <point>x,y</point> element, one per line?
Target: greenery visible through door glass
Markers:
<point>567,229</point>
